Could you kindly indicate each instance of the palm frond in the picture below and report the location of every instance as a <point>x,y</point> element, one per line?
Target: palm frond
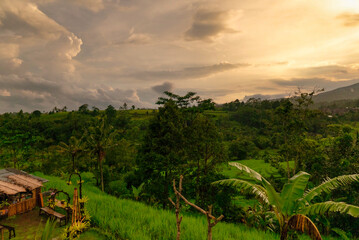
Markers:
<point>329,185</point>
<point>246,187</point>
<point>341,233</point>
<point>273,197</point>
<point>303,224</point>
<point>293,190</point>
<point>244,168</point>
<point>329,206</point>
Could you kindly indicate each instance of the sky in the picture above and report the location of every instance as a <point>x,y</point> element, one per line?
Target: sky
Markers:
<point>107,52</point>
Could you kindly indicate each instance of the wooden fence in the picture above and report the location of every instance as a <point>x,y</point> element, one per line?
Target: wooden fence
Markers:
<point>21,207</point>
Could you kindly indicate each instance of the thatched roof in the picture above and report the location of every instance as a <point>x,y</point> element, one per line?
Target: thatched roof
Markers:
<point>13,181</point>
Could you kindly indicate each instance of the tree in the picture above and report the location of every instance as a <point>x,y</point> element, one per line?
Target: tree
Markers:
<point>162,154</point>
<point>205,152</point>
<point>100,137</point>
<point>84,109</point>
<point>73,149</point>
<point>293,204</point>
<point>110,113</point>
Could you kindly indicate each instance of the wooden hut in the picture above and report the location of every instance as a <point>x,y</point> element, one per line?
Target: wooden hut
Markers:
<point>19,191</point>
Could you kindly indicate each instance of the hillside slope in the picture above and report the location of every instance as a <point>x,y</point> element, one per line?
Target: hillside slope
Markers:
<point>344,93</point>
<point>126,219</point>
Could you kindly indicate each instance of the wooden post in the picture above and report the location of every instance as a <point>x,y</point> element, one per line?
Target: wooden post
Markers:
<point>76,214</point>
<point>211,220</point>
<point>41,200</point>
<point>177,206</point>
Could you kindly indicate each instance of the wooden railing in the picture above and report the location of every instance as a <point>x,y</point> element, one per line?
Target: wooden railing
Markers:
<point>21,207</point>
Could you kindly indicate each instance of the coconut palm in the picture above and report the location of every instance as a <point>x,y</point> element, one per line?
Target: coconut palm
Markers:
<point>74,148</point>
<point>292,205</point>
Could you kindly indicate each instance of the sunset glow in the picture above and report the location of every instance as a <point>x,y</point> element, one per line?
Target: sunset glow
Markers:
<point>105,52</point>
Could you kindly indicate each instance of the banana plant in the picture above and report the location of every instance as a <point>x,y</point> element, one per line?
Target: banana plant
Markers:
<point>136,192</point>
<point>293,204</point>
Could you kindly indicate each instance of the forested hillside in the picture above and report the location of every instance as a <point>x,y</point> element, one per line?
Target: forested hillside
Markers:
<point>136,154</point>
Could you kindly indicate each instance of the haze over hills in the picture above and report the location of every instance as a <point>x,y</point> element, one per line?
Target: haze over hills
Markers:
<point>344,93</point>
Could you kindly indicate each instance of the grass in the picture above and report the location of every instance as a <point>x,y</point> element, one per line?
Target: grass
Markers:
<point>28,226</point>
<point>126,219</point>
<point>265,169</point>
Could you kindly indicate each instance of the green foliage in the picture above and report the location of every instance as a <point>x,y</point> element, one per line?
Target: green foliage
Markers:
<point>136,192</point>
<point>290,205</point>
<point>127,219</point>
<point>48,230</point>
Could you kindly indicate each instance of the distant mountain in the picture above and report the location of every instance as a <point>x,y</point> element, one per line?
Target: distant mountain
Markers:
<point>344,93</point>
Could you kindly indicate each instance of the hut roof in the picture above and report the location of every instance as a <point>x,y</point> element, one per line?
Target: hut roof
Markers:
<point>13,181</point>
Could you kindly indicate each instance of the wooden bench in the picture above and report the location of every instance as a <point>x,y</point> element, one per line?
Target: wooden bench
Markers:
<point>48,211</point>
<point>10,229</point>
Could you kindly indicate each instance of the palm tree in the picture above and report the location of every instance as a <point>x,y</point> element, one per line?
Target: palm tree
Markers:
<point>293,204</point>
<point>74,148</point>
<point>100,138</point>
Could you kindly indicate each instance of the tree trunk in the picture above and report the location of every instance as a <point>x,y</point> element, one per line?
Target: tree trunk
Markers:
<point>284,232</point>
<point>209,232</point>
<point>73,162</point>
<point>101,171</point>
<point>178,207</point>
<point>165,191</point>
<point>197,180</point>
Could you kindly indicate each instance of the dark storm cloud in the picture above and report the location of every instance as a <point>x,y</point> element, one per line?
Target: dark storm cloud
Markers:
<point>31,92</point>
<point>349,19</point>
<point>310,83</point>
<point>187,73</point>
<point>207,24</point>
<point>166,86</point>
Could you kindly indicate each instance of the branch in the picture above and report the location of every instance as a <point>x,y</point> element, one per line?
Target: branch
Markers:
<point>172,202</point>
<point>193,205</point>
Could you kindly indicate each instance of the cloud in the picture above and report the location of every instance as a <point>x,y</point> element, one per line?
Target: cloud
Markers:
<point>311,83</point>
<point>329,69</point>
<point>333,72</point>
<point>33,42</point>
<point>187,73</point>
<point>349,19</point>
<point>208,24</point>
<point>136,38</point>
<point>166,86</point>
<point>93,5</point>
<point>29,92</point>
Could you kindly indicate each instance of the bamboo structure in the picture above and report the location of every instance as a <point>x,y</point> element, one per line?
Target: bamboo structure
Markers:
<point>76,213</point>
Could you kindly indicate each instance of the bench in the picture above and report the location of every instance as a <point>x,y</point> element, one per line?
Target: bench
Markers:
<point>10,229</point>
<point>50,212</point>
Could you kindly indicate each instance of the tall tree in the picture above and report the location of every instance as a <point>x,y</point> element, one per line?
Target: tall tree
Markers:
<point>100,137</point>
<point>162,154</point>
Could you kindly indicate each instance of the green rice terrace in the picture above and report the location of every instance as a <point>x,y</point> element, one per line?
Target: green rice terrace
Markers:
<point>114,218</point>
